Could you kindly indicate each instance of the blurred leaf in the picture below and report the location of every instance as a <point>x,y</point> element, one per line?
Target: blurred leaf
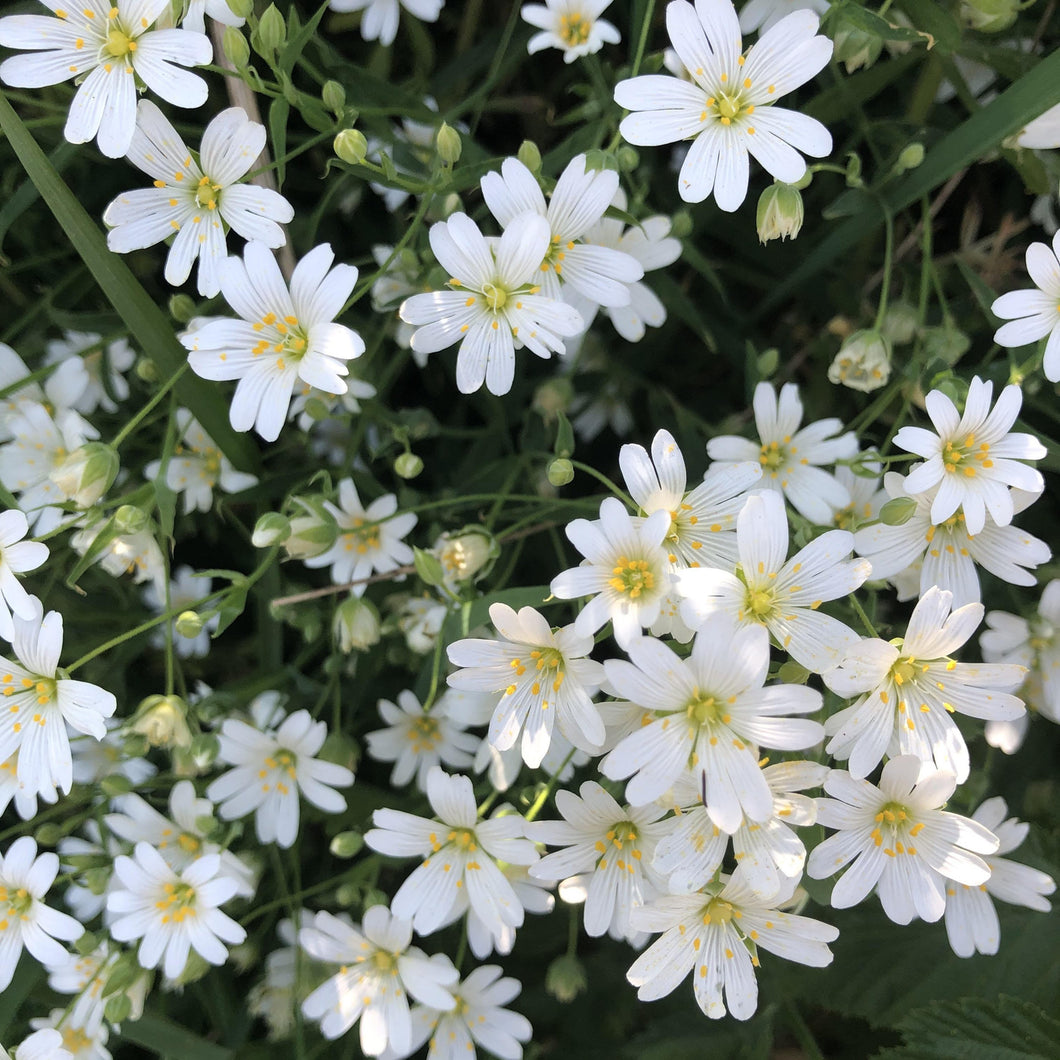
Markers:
<point>28,194</point>
<point>279,112</point>
<point>165,1038</point>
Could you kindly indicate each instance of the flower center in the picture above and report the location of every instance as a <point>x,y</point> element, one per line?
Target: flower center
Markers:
<point>423,733</point>
<point>631,577</point>
<point>75,1040</point>
<point>119,43</point>
<point>45,689</point>
<point>177,902</point>
<point>730,106</point>
<point>363,536</point>
<point>496,297</point>
<point>904,671</point>
<point>773,456</point>
<point>286,336</point>
<point>963,458</point>
<point>206,194</point>
<point>19,902</point>
<point>574,29</point>
<point>464,838</point>
<point>190,844</point>
<point>618,837</point>
<point>719,912</point>
<point>385,963</point>
<point>760,602</point>
<point>549,664</point>
<point>896,820</point>
<point>705,710</point>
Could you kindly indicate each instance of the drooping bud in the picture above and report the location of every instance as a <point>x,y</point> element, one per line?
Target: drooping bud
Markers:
<point>910,156</point>
<point>163,720</point>
<point>560,472</point>
<point>780,212</point>
<point>628,158</point>
<point>347,844</point>
<point>130,519</point>
<point>448,144</point>
<point>408,465</point>
<point>898,511</point>
<point>334,97</point>
<point>356,625</point>
<point>271,529</point>
<point>351,146</point>
<point>87,473</point>
<point>312,532</point>
<point>863,361</point>
<point>182,308</point>
<point>188,624</point>
<point>565,978</point>
<point>530,156</point>
<point>900,323</point>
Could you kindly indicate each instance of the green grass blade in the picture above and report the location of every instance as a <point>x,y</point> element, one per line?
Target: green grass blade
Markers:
<point>165,1038</point>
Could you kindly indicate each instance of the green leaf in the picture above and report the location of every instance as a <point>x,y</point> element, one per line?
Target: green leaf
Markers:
<point>278,114</point>
<point>296,43</point>
<point>149,326</point>
<point>853,14</point>
<point>984,296</point>
<point>165,1038</point>
<point>968,1029</point>
<point>28,194</point>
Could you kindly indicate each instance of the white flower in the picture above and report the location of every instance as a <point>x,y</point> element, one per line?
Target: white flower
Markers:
<point>782,596</point>
<point>791,458</point>
<point>493,305</point>
<point>218,10</point>
<point>1033,314</point>
<point>275,997</point>
<point>972,459</point>
<point>272,769</point>
<point>458,853</point>
<point>710,711</point>
<point>908,689</point>
<point>581,197</point>
<point>415,740</point>
<point>545,677</point>
<point>763,15</point>
<point>63,389</point>
<point>369,541</point>
<point>193,201</point>
<point>185,589</point>
<point>703,520</point>
<point>726,110</point>
<point>102,368</point>
<point>866,498</point>
<point>197,466</point>
<point>626,571</point>
<point>179,838</point>
<point>971,921</point>
<point>108,48</point>
<point>1043,132</point>
<point>898,840</point>
<point>85,977</point>
<point>605,407</point>
<point>770,853</point>
<point>25,921</point>
<point>420,619</point>
<point>478,1019</point>
<point>285,334</point>
<point>172,912</point>
<point>610,848</point>
<point>716,934</point>
<point>535,896</point>
<point>44,1044</point>
<point>40,706</point>
<point>16,557</point>
<point>95,759</point>
<point>137,552</point>
<point>380,21</point>
<point>573,26</point>
<point>25,797</point>
<point>948,551</point>
<point>379,968</point>
<point>75,1040</point>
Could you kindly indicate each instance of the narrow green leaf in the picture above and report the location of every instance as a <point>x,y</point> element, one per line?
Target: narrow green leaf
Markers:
<point>165,1038</point>
<point>296,43</point>
<point>278,114</point>
<point>28,194</point>
<point>984,296</point>
<point>149,326</point>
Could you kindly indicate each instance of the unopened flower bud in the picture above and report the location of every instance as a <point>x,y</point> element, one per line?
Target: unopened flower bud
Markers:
<point>780,212</point>
<point>334,97</point>
<point>408,465</point>
<point>565,978</point>
<point>681,224</point>
<point>347,844</point>
<point>560,472</point>
<point>466,553</point>
<point>188,624</point>
<point>205,748</point>
<point>48,834</point>
<point>181,308</point>
<point>911,156</point>
<point>428,566</point>
<point>900,323</point>
<point>628,158</point>
<point>313,532</point>
<point>793,673</point>
<point>272,32</point>
<point>117,1008</point>
<point>990,16</point>
<point>863,361</point>
<point>241,8</point>
<point>351,146</point>
<point>529,155</point>
<point>130,519</point>
<point>271,529</point>
<point>163,720</point>
<point>898,511</point>
<point>768,362</point>
<point>146,370</point>
<point>355,625</point>
<point>448,144</point>
<point>552,397</point>
<point>87,473</point>
<point>235,47</point>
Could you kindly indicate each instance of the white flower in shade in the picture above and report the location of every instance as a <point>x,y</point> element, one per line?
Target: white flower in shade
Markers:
<point>285,334</point>
<point>39,444</point>
<point>897,839</point>
<point>1034,314</point>
<point>39,706</point>
<point>43,1045</point>
<point>605,407</point>
<point>610,847</point>
<point>972,459</point>
<point>1043,132</point>
<point>179,838</point>
<point>84,978</point>
<point>75,1039</point>
<point>479,1019</point>
<point>185,590</point>
<point>568,263</point>
<point>172,912</point>
<point>95,759</point>
<point>416,740</point>
<point>726,110</point>
<point>275,997</point>
<point>272,768</point>
<point>197,10</point>
<point>458,853</point>
<point>702,520</point>
<point>420,619</point>
<point>137,554</point>
<point>573,26</point>
<point>380,970</point>
<point>716,935</point>
<point>791,457</point>
<point>781,595</point>
<point>108,48</point>
<point>906,691</point>
<point>197,467</point>
<point>972,925</point>
<point>62,390</point>
<point>369,541</point>
<point>709,713</point>
<point>763,15</point>
<point>102,366</point>
<point>650,244</point>
<point>194,201</point>
<point>867,498</point>
<point>25,921</point>
<point>949,552</point>
<point>380,20</point>
<point>16,557</point>
<point>494,303</point>
<point>24,798</point>
<point>543,677</point>
<point>625,570</point>
<point>84,902</point>
<point>770,853</point>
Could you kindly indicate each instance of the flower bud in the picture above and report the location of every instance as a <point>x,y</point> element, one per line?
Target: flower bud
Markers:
<point>48,834</point>
<point>117,1008</point>
<point>628,158</point>
<point>271,34</point>
<point>205,748</point>
<point>188,624</point>
<point>946,342</point>
<point>898,511</point>
<point>560,472</point>
<point>530,156</point>
<point>466,553</point>
<point>793,673</point>
<point>900,323</point>
<point>235,47</point>
<point>116,784</point>
<point>312,532</point>
<point>347,844</point>
<point>552,397</point>
<point>780,212</point>
<point>854,47</point>
<point>681,224</point>
<point>87,473</point>
<point>130,519</point>
<point>910,156</point>
<point>565,978</point>
<point>408,465</point>
<point>163,720</point>
<point>863,361</point>
<point>181,308</point>
<point>241,8</point>
<point>355,625</point>
<point>351,146</point>
<point>990,16</point>
<point>271,529</point>
<point>448,144</point>
<point>334,97</point>
<point>428,566</point>
<point>134,746</point>
<point>768,362</point>
<point>317,409</point>
<point>146,370</point>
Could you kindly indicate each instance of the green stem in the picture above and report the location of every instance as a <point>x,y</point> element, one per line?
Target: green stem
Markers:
<point>147,409</point>
<point>436,670</point>
<point>642,43</point>
<point>888,261</point>
<point>546,791</point>
<point>802,1032</point>
<point>601,477</point>
<point>856,604</point>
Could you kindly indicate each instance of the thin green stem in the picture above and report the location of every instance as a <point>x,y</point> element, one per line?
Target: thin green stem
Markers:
<point>601,477</point>
<point>546,791</point>
<point>865,621</point>
<point>142,414</point>
<point>888,264</point>
<point>642,42</point>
